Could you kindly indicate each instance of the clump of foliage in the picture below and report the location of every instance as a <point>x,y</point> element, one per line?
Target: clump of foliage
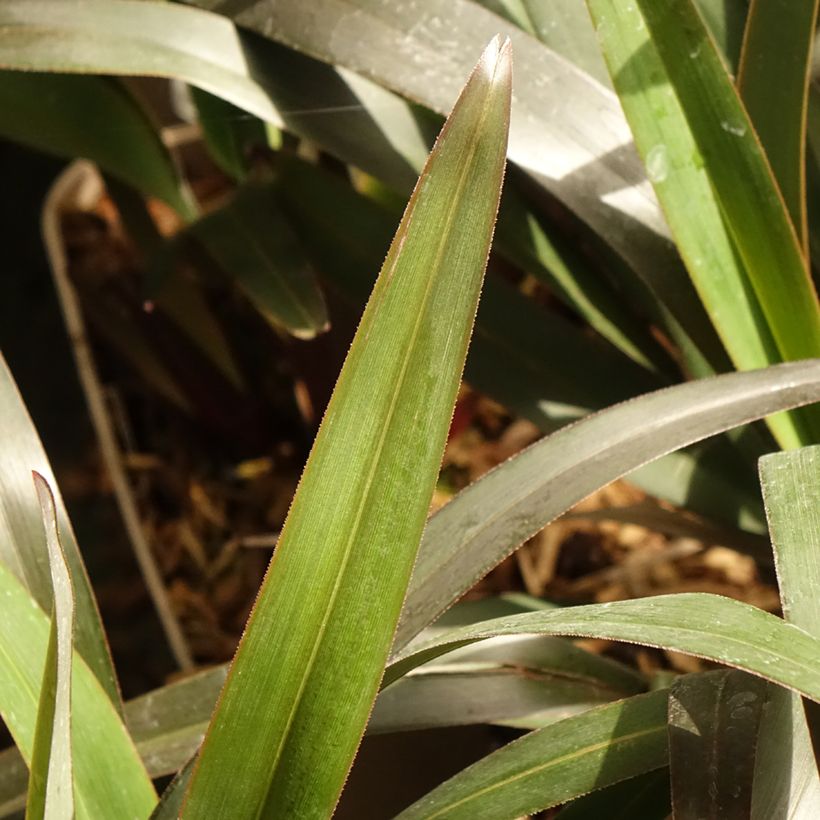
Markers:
<point>674,265</point>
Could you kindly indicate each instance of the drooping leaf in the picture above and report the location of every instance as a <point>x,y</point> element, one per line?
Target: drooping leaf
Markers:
<point>700,624</point>
<point>713,725</point>
<point>555,764</point>
<point>51,782</point>
<point>22,547</point>
<point>109,778</point>
<point>95,118</point>
<point>363,497</point>
<point>493,516</point>
<point>251,241</point>
<point>718,191</point>
<point>775,64</point>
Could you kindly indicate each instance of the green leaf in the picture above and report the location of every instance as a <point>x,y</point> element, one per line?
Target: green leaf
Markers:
<point>109,779</point>
<point>707,626</point>
<point>713,727</point>
<point>791,491</point>
<point>96,118</point>
<point>525,683</point>
<point>555,764</point>
<point>775,65</point>
<point>718,192</point>
<point>496,514</point>
<point>51,784</point>
<point>250,239</point>
<point>364,494</point>
<point>24,551</point>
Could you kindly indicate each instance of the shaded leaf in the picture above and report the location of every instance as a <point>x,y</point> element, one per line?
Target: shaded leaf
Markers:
<point>250,239</point>
<point>646,797</point>
<point>96,118</point>
<point>775,63</point>
<point>713,725</point>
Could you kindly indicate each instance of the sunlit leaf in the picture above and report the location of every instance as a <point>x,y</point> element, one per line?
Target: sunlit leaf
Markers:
<point>365,492</point>
<point>51,783</point>
<point>23,549</point>
<point>493,516</point>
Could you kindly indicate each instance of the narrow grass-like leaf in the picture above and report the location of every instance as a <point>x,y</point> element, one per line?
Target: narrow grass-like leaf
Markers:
<point>109,779</point>
<point>51,782</point>
<point>170,804</point>
<point>717,188</point>
<point>95,118</point>
<point>646,797</point>
<point>332,596</point>
<point>713,726</point>
<point>566,130</point>
<point>250,239</point>
<point>526,683</point>
<point>791,490</point>
<point>700,624</point>
<point>775,64</point>
<point>493,516</point>
<point>555,764</point>
<point>23,549</point>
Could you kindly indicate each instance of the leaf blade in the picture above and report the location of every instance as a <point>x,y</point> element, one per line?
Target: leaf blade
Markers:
<point>403,367</point>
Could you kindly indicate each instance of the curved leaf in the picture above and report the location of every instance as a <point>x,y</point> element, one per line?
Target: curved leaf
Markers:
<point>23,549</point>
<point>109,779</point>
<point>707,626</point>
<point>555,764</point>
<point>489,519</point>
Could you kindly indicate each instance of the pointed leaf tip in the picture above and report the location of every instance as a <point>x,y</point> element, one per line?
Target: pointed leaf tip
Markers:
<point>496,60</point>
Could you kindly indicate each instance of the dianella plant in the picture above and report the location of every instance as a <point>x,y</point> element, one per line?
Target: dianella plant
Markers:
<point>659,172</point>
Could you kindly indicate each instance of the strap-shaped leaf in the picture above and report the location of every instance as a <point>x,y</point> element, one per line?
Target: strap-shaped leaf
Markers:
<point>786,777</point>
<point>555,764</point>
<point>23,549</point>
<point>646,797</point>
<point>489,519</point>
<point>51,782</point>
<point>775,65</point>
<point>250,239</point>
<point>707,626</point>
<point>713,725</point>
<point>332,597</point>
<point>109,778</point>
